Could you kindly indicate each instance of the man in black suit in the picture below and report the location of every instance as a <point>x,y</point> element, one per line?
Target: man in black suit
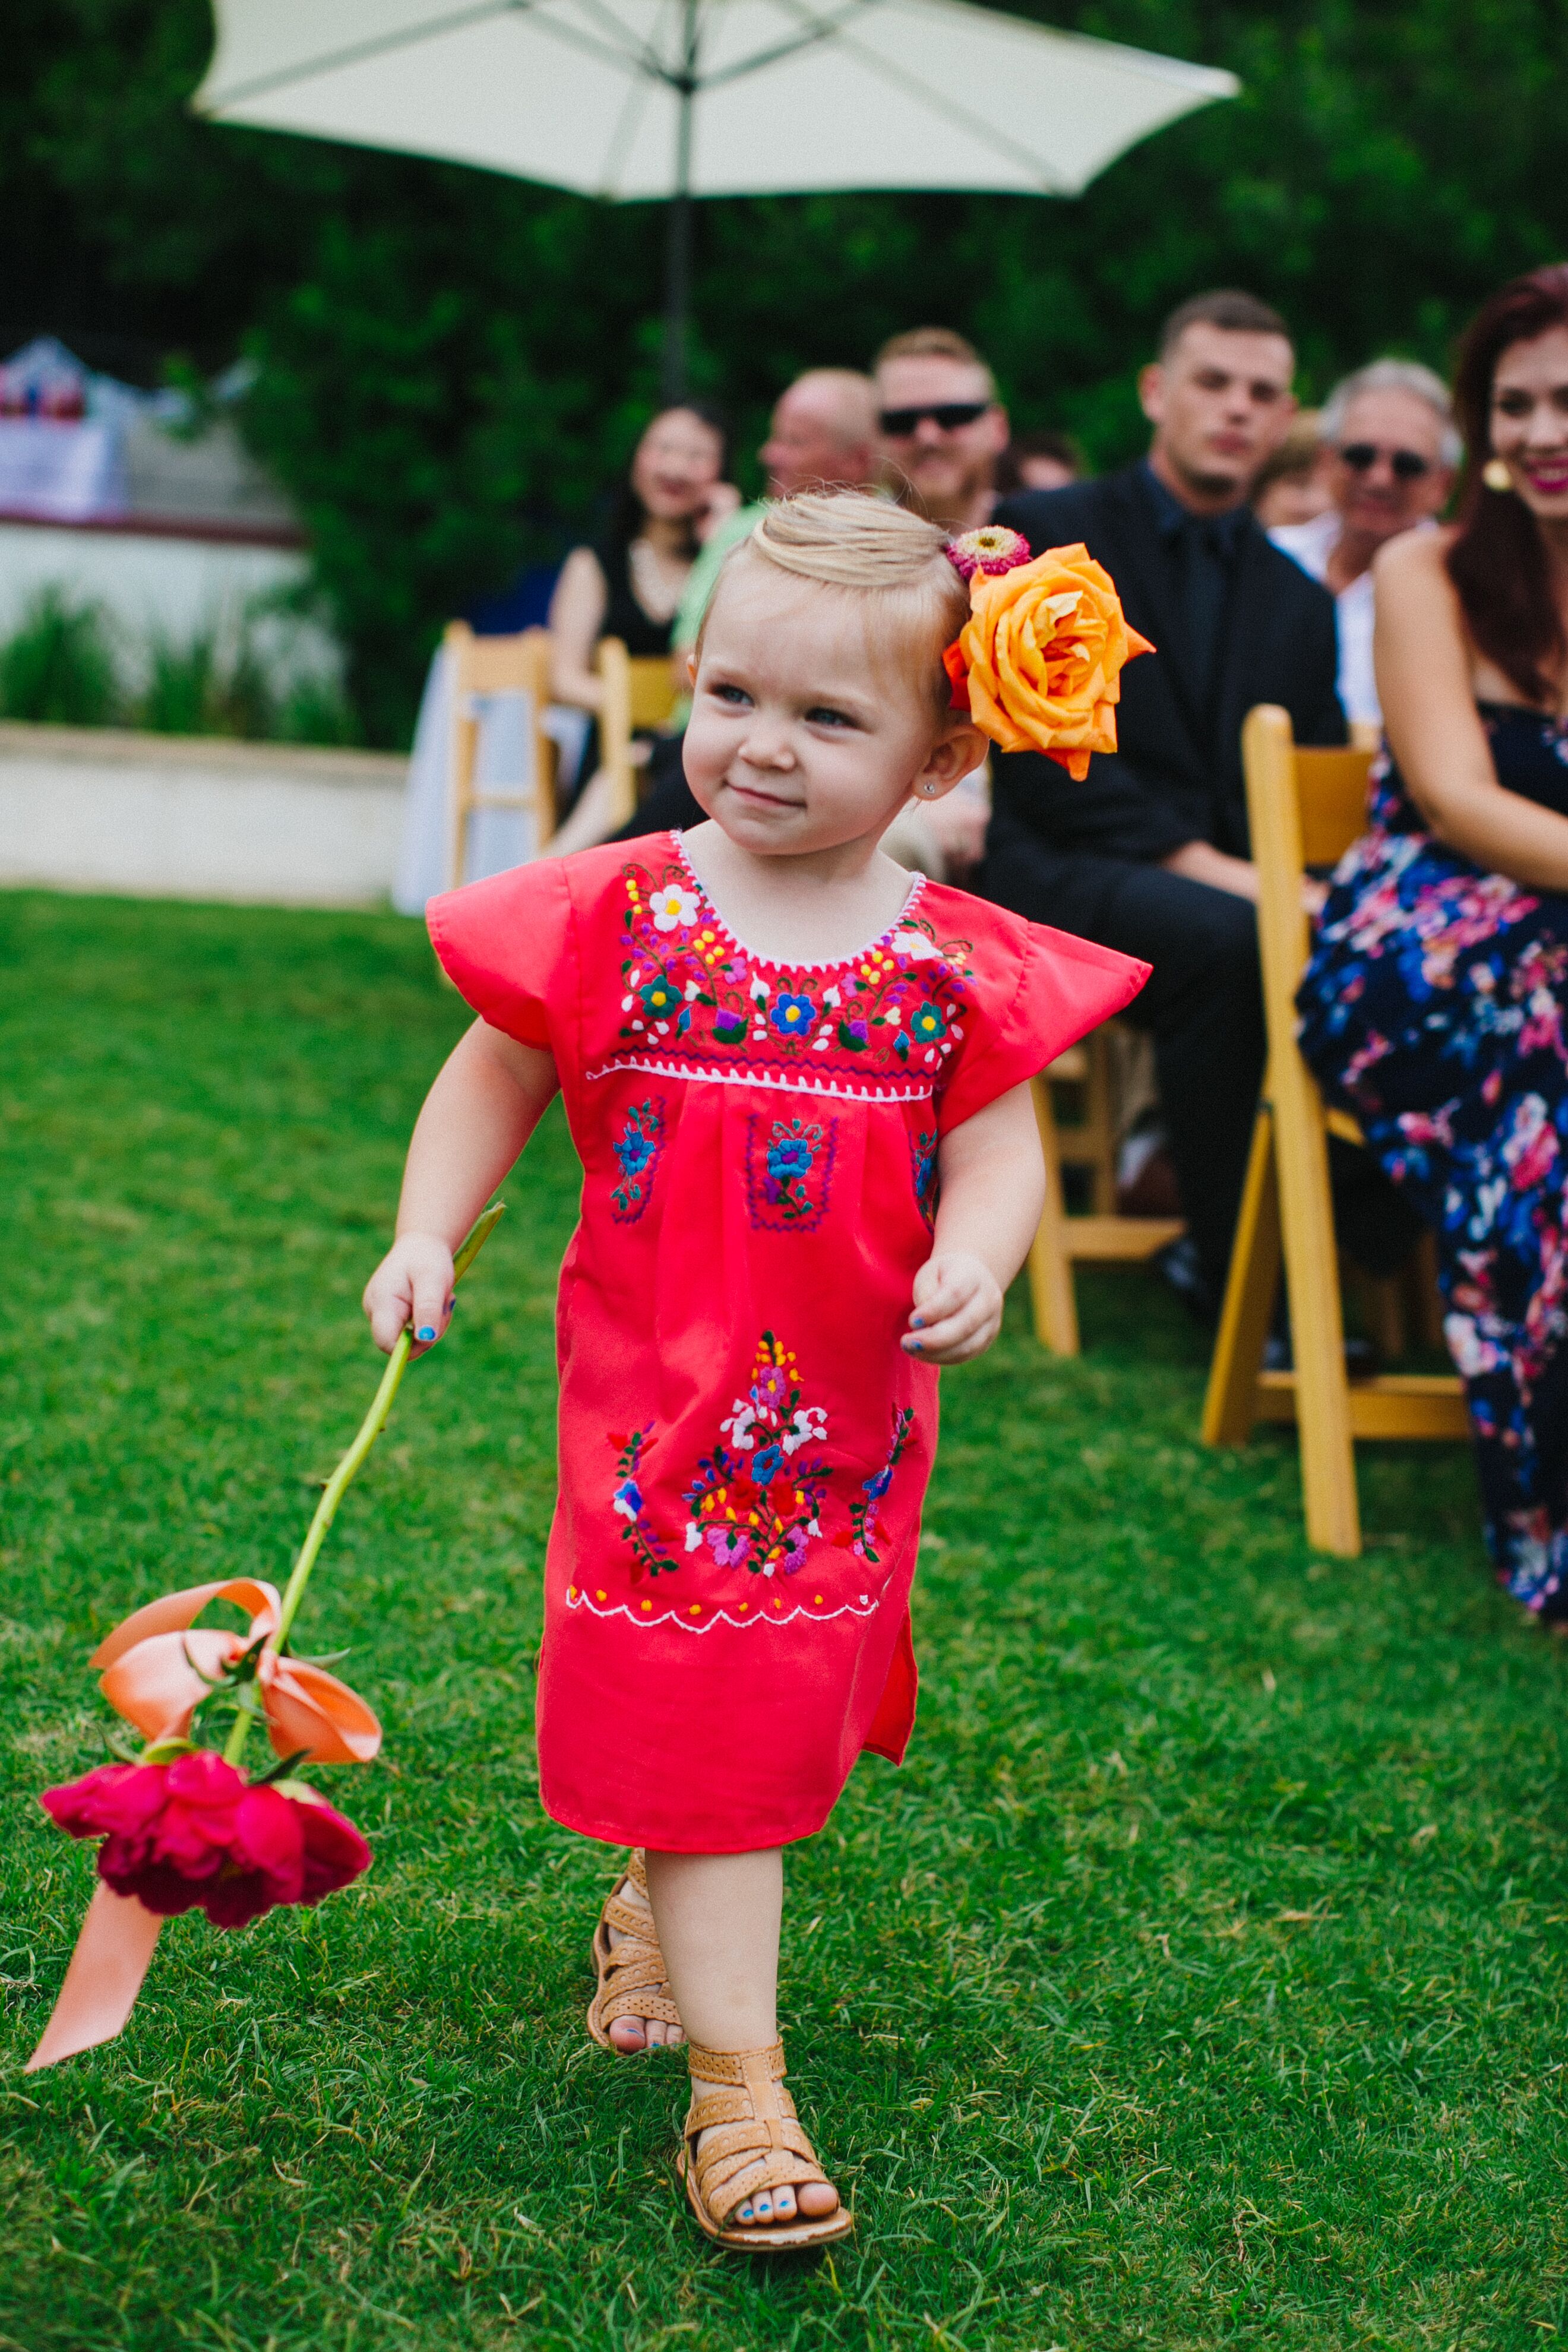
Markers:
<point>1150,854</point>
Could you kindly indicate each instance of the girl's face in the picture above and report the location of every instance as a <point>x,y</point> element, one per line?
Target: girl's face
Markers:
<point>1528,422</point>
<point>676,464</point>
<point>803,735</point>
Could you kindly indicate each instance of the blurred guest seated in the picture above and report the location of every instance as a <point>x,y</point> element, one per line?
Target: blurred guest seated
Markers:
<point>1292,486</point>
<point>1150,855</point>
<point>943,427</point>
<point>1390,448</point>
<point>1038,461</point>
<point>630,584</point>
<point>1433,1005</point>
<point>627,584</point>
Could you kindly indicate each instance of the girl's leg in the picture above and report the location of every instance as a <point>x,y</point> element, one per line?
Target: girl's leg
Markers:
<point>717,1918</point>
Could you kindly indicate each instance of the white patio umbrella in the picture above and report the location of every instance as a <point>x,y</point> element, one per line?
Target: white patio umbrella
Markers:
<point>669,100</point>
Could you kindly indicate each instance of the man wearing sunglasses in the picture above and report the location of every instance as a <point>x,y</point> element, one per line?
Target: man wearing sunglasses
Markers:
<point>941,426</point>
<point>1392,446</point>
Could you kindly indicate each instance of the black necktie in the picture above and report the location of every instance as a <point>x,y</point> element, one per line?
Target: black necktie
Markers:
<point>1205,575</point>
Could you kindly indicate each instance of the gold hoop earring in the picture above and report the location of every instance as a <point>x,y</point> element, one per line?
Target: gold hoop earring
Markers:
<point>1496,475</point>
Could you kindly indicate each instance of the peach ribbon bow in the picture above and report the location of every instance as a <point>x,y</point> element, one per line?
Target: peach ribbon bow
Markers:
<point>155,1671</point>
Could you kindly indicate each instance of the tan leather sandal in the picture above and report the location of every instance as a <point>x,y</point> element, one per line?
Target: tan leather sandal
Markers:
<point>756,2144</point>
<point>632,1982</point>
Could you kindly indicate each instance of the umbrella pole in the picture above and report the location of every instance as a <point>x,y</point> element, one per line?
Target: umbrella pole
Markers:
<point>679,223</point>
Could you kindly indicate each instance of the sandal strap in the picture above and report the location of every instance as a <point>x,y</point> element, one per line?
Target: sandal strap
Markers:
<point>637,1870</point>
<point>755,2141</point>
<point>755,2068</point>
<point>629,1919</point>
<point>715,2108</point>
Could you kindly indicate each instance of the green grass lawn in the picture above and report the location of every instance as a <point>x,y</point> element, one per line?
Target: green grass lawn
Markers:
<point>1198,1981</point>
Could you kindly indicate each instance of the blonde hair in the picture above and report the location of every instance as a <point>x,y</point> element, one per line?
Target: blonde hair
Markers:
<point>894,561</point>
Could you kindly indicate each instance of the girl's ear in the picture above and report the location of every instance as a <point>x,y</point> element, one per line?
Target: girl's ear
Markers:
<point>691,667</point>
<point>956,753</point>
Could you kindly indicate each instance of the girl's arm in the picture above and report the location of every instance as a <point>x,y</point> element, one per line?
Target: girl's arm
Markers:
<point>577,612</point>
<point>1423,680</point>
<point>481,1111</point>
<point>993,1191</point>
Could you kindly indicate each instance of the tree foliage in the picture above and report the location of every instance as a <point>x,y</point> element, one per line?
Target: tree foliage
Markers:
<point>452,364</point>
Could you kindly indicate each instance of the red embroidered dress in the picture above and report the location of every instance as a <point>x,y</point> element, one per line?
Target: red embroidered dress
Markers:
<point>744,1445</point>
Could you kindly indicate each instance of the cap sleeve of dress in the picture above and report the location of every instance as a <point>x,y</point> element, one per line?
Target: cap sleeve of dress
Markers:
<point>1062,988</point>
<point>505,945</point>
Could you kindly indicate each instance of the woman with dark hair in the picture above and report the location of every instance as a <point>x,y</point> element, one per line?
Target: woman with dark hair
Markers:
<point>629,584</point>
<point>1433,1004</point>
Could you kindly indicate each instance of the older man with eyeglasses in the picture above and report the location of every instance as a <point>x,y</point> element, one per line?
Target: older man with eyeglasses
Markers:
<point>941,426</point>
<point>1391,446</point>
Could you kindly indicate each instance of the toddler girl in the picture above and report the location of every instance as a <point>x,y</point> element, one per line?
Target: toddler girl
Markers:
<point>798,1081</point>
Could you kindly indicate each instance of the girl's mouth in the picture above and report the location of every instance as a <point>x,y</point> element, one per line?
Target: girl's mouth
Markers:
<point>1547,475</point>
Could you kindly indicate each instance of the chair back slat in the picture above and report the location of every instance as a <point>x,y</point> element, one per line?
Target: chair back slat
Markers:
<point>481,665</point>
<point>1330,790</point>
<point>653,695</point>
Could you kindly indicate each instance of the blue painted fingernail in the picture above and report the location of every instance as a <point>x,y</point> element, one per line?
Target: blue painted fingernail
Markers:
<point>919,1321</point>
<point>425,1331</point>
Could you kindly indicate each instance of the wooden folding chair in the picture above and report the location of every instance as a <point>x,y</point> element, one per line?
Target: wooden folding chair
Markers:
<point>480,665</point>
<point>639,694</point>
<point>1103,1237</point>
<point>1305,808</point>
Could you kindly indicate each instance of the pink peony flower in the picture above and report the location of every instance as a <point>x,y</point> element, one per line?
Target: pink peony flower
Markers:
<point>194,1835</point>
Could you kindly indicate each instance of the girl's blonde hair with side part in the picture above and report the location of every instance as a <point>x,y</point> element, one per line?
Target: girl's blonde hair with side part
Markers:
<point>864,547</point>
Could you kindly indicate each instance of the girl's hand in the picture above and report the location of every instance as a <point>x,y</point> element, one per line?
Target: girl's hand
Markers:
<point>413,1285</point>
<point>957,1310</point>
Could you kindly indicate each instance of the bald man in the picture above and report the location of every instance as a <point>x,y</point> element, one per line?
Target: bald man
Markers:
<point>823,438</point>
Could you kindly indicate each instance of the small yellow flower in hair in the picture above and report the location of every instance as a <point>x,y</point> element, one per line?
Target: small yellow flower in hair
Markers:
<point>1038,664</point>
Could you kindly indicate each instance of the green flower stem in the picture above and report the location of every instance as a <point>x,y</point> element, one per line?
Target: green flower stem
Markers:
<point>370,1428</point>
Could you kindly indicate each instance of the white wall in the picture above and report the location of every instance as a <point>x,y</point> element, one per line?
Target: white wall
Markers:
<point>180,817</point>
<point>159,585</point>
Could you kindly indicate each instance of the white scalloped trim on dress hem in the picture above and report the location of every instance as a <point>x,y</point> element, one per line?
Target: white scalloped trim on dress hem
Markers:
<point>577,1599</point>
<point>751,1077</point>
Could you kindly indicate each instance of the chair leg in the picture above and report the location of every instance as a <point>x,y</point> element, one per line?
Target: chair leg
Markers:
<point>1317,1324</point>
<point>1230,1401</point>
<point>1050,1268</point>
<point>1100,1122</point>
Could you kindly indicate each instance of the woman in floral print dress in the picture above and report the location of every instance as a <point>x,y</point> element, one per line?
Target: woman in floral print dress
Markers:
<point>1433,1004</point>
<point>775,1053</point>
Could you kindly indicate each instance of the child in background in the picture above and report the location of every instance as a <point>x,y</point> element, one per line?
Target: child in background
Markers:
<point>799,1086</point>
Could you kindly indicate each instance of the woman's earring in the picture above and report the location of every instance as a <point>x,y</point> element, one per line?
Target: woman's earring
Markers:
<point>1496,475</point>
<point>930,791</point>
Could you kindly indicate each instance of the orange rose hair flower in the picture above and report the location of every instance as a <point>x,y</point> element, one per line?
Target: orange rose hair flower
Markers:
<point>1038,664</point>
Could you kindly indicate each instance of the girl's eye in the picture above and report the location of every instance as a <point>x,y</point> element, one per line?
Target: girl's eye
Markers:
<point>822,714</point>
<point>736,696</point>
<point>1513,404</point>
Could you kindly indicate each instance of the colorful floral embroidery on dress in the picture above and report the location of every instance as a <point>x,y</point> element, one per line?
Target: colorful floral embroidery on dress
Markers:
<point>865,1531</point>
<point>693,996</point>
<point>648,1552</point>
<point>789,1171</point>
<point>637,1150</point>
<point>922,1167</point>
<point>755,1501</point>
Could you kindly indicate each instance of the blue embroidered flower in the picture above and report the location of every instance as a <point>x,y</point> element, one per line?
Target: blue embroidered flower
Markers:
<point>770,1461</point>
<point>634,1151</point>
<point>877,1486</point>
<point>926,1024</point>
<point>792,1017</point>
<point>791,1158</point>
<point>628,1499</point>
<point>660,998</point>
